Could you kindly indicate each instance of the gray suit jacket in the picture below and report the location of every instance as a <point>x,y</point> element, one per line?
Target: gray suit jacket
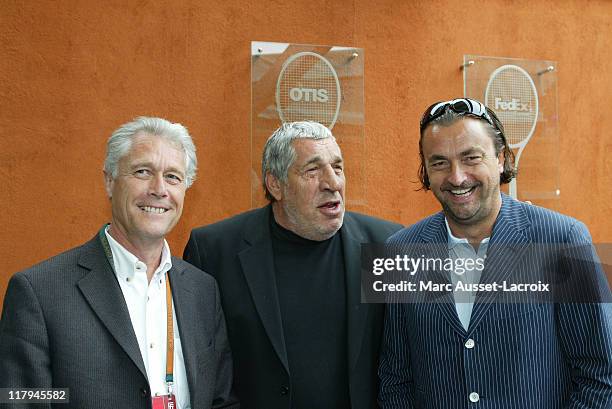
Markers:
<point>65,324</point>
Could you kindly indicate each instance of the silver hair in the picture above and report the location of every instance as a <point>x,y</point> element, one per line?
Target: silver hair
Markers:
<point>120,143</point>
<point>279,153</point>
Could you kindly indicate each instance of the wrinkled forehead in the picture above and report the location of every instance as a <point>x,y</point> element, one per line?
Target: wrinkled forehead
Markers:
<point>144,137</point>
<point>155,148</point>
<point>319,150</point>
<point>461,135</point>
<point>152,141</point>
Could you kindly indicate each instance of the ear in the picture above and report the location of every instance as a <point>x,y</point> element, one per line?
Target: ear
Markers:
<point>108,183</point>
<point>274,186</point>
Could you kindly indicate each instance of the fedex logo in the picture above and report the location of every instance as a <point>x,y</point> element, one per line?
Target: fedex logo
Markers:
<point>514,104</point>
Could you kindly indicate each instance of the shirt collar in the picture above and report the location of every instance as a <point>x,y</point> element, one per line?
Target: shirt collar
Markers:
<point>127,265</point>
<point>455,241</point>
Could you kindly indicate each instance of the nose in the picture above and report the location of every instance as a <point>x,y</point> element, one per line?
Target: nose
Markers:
<point>330,180</point>
<point>457,174</point>
<point>157,185</point>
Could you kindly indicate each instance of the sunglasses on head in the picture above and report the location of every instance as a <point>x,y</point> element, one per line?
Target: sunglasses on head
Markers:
<point>465,106</point>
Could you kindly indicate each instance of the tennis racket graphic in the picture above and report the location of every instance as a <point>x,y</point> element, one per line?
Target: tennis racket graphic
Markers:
<point>308,90</point>
<point>512,94</point>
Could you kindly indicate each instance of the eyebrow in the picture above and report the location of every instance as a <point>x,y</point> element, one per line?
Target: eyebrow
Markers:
<point>475,149</point>
<point>436,157</point>
<point>317,159</point>
<point>151,166</point>
<point>472,150</point>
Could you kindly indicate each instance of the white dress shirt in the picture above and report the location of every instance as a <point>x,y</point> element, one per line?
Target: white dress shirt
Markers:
<point>146,304</point>
<point>462,249</point>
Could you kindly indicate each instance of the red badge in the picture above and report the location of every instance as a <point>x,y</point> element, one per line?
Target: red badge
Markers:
<point>164,402</point>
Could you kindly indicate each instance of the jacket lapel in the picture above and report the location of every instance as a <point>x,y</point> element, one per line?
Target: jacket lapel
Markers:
<point>357,312</point>
<point>258,268</point>
<point>101,290</point>
<point>184,300</point>
<point>507,245</point>
<point>435,237</point>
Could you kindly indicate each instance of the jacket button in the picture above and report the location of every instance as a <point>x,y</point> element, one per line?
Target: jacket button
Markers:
<point>474,397</point>
<point>144,392</point>
<point>284,390</point>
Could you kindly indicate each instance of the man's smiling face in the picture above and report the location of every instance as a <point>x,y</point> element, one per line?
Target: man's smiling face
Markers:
<point>463,170</point>
<point>148,191</point>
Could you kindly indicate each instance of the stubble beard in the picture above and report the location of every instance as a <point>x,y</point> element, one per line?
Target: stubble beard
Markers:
<point>307,229</point>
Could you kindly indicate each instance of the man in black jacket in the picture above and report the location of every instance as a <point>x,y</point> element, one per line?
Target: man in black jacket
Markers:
<point>289,276</point>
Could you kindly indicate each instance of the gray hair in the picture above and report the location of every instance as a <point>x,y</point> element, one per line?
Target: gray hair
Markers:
<point>279,153</point>
<point>120,143</point>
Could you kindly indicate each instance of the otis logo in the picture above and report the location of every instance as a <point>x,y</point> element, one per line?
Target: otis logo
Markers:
<point>308,95</point>
<point>308,89</point>
<point>514,104</point>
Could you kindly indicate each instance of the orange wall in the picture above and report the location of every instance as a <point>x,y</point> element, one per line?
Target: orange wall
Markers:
<point>72,71</point>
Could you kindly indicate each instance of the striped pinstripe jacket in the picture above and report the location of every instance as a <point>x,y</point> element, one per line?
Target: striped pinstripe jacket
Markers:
<point>513,355</point>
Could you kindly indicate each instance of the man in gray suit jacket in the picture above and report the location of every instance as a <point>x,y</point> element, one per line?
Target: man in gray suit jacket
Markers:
<point>289,276</point>
<point>547,347</point>
<point>118,321</point>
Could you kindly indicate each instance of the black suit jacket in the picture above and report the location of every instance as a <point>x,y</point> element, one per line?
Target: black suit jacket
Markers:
<point>65,324</point>
<point>238,253</point>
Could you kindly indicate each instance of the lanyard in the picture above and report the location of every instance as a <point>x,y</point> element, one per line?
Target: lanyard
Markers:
<point>169,337</point>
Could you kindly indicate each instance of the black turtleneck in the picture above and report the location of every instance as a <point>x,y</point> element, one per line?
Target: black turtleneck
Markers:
<point>311,286</point>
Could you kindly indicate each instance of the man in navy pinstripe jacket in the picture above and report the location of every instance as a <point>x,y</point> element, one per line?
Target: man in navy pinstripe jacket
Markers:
<point>480,352</point>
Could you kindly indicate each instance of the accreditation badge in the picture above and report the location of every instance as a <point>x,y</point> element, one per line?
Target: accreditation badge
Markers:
<point>164,402</point>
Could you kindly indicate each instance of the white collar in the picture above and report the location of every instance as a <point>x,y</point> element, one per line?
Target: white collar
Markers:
<point>455,241</point>
<point>127,265</point>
